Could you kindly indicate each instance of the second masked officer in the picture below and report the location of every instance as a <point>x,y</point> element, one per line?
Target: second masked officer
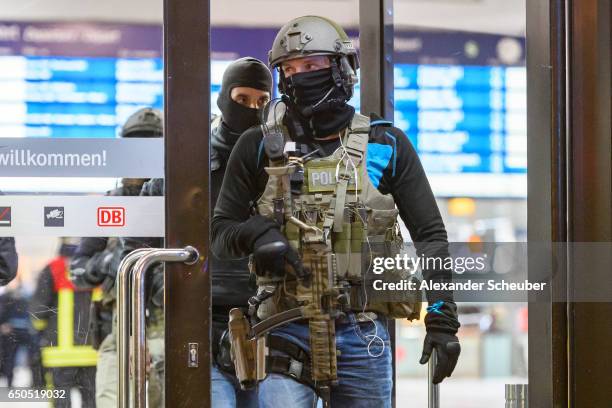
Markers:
<point>314,195</point>
<point>245,89</point>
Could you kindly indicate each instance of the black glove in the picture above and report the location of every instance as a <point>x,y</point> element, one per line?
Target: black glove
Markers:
<point>272,252</point>
<point>442,324</point>
<point>261,236</point>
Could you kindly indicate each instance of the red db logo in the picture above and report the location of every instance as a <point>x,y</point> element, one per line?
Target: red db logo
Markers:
<point>111,216</point>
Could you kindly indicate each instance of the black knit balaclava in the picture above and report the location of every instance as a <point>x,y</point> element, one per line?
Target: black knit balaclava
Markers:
<point>248,72</point>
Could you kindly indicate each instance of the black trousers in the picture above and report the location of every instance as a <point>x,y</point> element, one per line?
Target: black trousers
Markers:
<point>9,344</point>
<point>83,378</point>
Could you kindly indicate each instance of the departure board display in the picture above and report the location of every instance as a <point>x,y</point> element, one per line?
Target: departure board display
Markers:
<point>79,97</point>
<point>460,97</point>
<point>463,119</point>
<point>74,97</point>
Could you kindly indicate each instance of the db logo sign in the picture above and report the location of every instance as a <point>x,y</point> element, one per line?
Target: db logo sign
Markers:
<point>111,216</point>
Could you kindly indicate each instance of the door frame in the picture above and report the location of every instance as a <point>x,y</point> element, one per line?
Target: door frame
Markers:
<point>186,130</point>
<point>570,191</point>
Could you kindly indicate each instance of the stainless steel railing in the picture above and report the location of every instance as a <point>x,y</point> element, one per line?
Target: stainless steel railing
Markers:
<point>132,270</point>
<point>433,394</point>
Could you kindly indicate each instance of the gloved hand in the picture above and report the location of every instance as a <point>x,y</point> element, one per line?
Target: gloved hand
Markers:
<point>271,251</point>
<point>442,324</point>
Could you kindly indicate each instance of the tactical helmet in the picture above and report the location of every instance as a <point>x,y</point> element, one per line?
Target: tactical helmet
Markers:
<point>315,35</point>
<point>145,122</point>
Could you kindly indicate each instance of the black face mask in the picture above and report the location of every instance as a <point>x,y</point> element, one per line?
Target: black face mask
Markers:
<point>317,103</point>
<point>239,118</point>
<point>248,72</point>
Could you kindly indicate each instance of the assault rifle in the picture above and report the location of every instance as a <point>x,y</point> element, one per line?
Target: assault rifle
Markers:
<point>322,299</point>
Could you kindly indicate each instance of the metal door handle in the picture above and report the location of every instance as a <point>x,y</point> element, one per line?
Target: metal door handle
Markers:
<point>123,323</point>
<point>141,260</point>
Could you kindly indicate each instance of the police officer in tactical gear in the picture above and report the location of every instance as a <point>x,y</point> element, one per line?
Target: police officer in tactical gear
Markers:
<point>326,185</point>
<point>96,262</point>
<point>245,89</point>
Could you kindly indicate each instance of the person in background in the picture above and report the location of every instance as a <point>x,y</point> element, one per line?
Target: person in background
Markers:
<point>15,330</point>
<point>61,312</point>
<point>245,90</point>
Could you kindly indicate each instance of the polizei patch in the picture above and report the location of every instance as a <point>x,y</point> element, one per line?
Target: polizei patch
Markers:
<point>324,179</point>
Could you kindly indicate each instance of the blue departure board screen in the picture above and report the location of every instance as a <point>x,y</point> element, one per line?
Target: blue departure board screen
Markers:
<point>463,119</point>
<point>75,97</point>
<point>78,97</point>
<point>468,124</point>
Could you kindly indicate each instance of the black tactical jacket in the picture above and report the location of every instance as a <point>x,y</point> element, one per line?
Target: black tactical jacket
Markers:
<point>230,276</point>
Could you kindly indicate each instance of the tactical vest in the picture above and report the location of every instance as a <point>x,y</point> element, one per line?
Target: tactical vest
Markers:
<point>338,221</point>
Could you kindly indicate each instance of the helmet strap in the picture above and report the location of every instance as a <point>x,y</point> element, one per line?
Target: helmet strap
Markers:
<point>282,81</point>
<point>349,76</point>
<point>336,73</point>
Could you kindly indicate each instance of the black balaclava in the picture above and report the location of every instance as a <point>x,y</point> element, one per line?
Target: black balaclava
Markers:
<point>236,118</point>
<point>317,101</point>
